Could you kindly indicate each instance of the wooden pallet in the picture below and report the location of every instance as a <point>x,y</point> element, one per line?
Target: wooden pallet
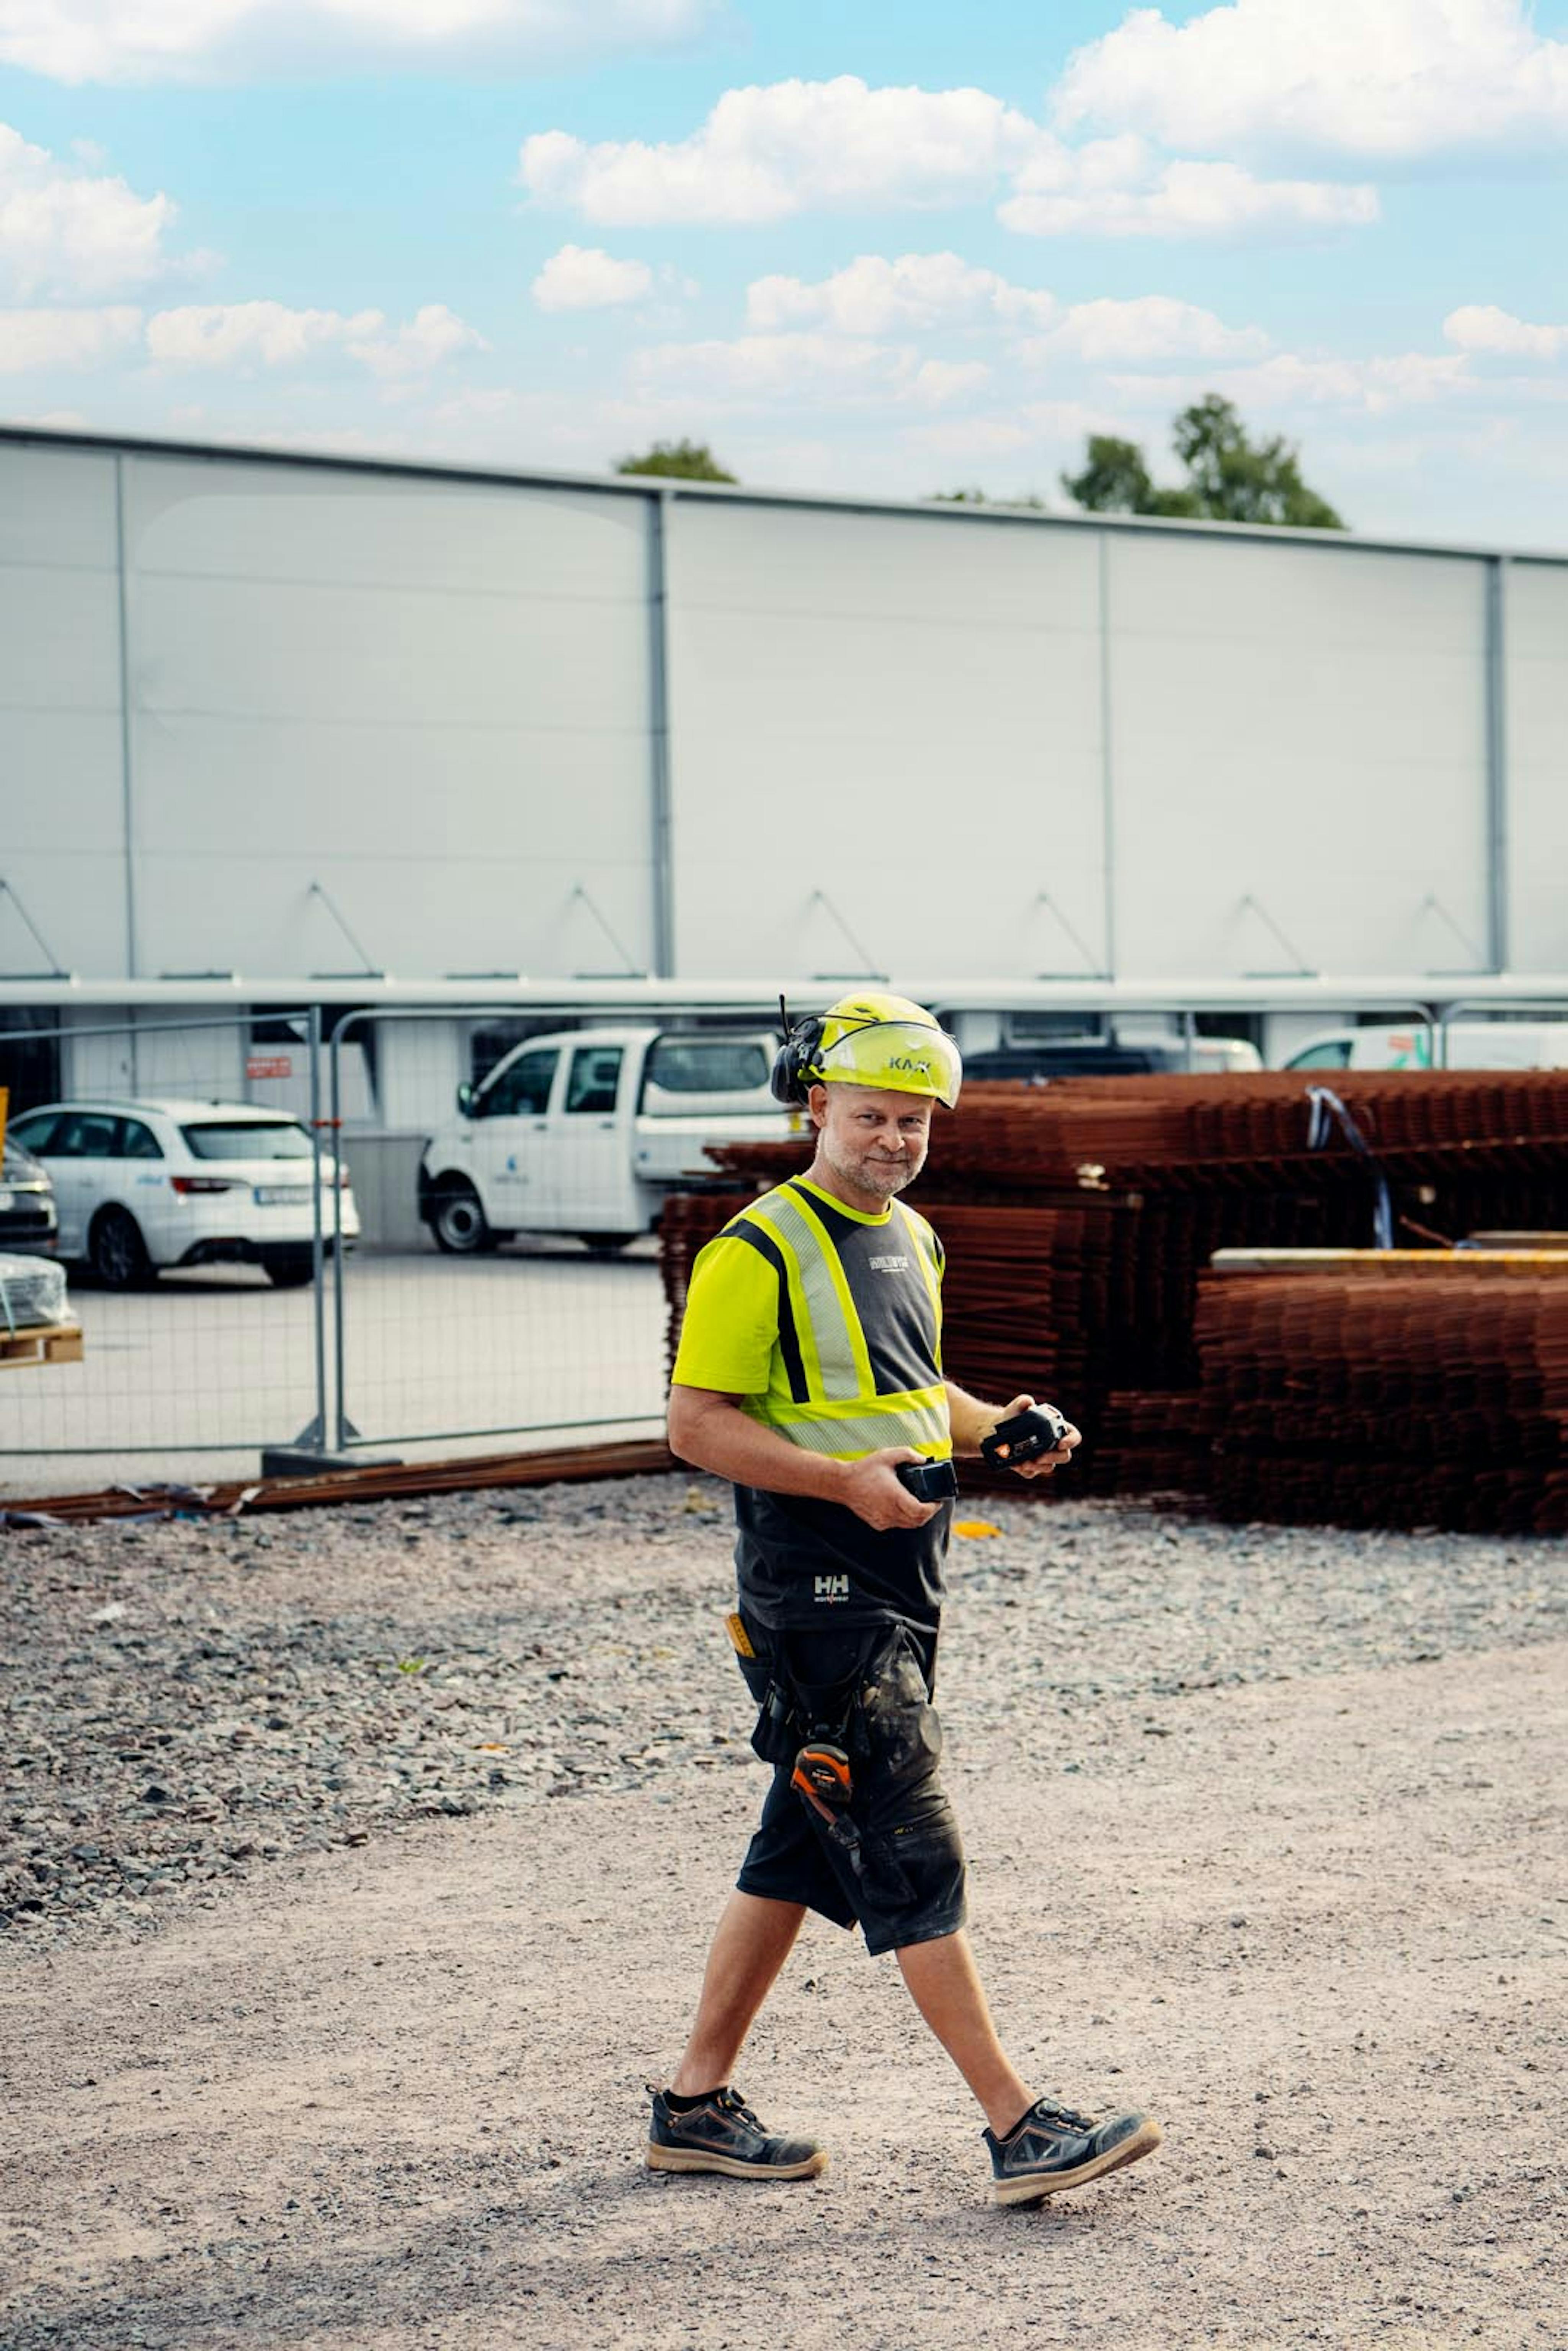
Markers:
<point>50,1343</point>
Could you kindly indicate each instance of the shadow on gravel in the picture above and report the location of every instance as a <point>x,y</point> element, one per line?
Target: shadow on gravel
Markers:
<point>636,2258</point>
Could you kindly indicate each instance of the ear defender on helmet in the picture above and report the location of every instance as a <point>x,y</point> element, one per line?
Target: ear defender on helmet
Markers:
<point>790,1081</point>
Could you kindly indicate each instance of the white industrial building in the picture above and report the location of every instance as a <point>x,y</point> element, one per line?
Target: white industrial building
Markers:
<point>278,730</point>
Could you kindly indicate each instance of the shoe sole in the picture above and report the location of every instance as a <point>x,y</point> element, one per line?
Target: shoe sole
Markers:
<point>681,2159</point>
<point>1039,2185</point>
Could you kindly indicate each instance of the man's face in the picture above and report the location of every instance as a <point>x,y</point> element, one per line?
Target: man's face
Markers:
<point>873,1138</point>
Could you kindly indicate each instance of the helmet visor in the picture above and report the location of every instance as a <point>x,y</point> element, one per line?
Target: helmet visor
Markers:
<point>903,1057</point>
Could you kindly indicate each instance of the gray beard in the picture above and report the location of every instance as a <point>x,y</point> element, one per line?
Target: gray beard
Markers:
<point>901,1177</point>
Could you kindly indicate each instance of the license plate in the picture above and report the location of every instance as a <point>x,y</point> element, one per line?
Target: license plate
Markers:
<point>281,1195</point>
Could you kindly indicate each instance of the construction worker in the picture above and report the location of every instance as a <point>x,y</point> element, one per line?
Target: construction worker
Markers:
<point>809,1372</point>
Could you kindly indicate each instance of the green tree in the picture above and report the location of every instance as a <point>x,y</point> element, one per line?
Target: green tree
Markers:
<point>1230,477</point>
<point>1116,480</point>
<point>677,461</point>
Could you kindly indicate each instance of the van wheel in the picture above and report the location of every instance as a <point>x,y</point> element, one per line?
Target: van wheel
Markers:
<point>606,1244</point>
<point>459,1224</point>
<point>117,1252</point>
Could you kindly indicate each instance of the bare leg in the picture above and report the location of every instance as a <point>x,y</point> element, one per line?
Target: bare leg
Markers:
<point>946,1989</point>
<point>753,1939</point>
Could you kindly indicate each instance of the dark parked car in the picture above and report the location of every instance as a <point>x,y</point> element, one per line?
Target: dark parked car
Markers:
<point>27,1221</point>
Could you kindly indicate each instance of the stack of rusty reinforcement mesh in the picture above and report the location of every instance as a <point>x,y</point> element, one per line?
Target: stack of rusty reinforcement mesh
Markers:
<point>1389,1390</point>
<point>1078,1217</point>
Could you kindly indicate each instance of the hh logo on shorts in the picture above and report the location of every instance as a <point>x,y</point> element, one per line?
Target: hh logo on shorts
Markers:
<point>830,1588</point>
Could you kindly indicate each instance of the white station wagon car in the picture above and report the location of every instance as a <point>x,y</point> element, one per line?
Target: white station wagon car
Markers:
<point>141,1185</point>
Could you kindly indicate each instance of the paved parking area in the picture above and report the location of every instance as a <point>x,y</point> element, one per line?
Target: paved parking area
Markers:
<point>189,1379</point>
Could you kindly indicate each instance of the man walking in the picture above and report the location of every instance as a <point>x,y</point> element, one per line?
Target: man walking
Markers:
<point>809,1371</point>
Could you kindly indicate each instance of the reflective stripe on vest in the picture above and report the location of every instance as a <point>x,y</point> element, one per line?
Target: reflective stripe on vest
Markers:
<point>844,1416</point>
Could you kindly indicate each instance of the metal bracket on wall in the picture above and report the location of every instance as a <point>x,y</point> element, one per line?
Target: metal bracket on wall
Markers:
<point>868,970</point>
<point>629,969</point>
<point>1091,969</point>
<point>370,971</point>
<point>56,969</point>
<point>1431,904</point>
<point>1301,968</point>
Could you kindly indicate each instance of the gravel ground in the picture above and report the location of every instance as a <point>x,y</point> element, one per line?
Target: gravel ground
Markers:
<point>1249,1801</point>
<point>186,1702</point>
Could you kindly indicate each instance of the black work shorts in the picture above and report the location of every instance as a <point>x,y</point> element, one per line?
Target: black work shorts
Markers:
<point>875,1682</point>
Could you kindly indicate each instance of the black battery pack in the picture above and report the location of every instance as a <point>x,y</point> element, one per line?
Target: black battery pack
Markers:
<point>1025,1436</point>
<point>928,1481</point>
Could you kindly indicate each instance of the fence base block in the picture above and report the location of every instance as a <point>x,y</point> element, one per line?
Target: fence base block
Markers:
<point>307,1460</point>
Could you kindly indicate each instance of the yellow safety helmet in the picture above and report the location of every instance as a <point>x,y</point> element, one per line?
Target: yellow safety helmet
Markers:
<point>869,1039</point>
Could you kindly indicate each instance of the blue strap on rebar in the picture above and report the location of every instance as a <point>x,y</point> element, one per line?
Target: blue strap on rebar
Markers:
<point>1326,1112</point>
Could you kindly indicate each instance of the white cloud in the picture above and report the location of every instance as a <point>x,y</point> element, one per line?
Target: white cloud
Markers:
<point>1148,327</point>
<point>769,152</point>
<point>793,369</point>
<point>1389,78</point>
<point>243,334</point>
<point>765,153</point>
<point>1292,381</point>
<point>937,382</point>
<point>271,335</point>
<point>65,339</point>
<point>1117,187</point>
<point>584,277</point>
<point>200,40</point>
<point>435,333</point>
<point>873,296</point>
<point>1483,328</point>
<point>70,232</point>
<point>1037,426</point>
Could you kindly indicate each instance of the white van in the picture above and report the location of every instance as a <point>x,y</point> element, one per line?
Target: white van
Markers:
<point>1463,1045</point>
<point>590,1131</point>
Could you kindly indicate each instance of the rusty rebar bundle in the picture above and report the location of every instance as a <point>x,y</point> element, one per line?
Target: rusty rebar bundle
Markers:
<point>1080,1216</point>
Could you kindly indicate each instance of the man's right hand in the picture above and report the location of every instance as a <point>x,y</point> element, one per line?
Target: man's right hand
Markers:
<point>871,1491</point>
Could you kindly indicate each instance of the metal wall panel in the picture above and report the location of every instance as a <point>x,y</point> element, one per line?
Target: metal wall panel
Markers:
<point>896,739</point>
<point>62,838</point>
<point>1535,637</point>
<point>57,509</point>
<point>432,698</point>
<point>893,711</point>
<point>1305,727</point>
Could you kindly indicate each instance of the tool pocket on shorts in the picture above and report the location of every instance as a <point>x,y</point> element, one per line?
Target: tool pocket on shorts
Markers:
<point>774,1737</point>
<point>898,1726</point>
<point>914,1865</point>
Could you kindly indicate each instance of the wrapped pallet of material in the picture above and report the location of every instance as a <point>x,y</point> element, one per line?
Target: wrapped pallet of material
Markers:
<point>32,1295</point>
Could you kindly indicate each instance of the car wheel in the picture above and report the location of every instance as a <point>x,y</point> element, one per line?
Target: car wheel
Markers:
<point>606,1244</point>
<point>117,1252</point>
<point>459,1224</point>
<point>290,1269</point>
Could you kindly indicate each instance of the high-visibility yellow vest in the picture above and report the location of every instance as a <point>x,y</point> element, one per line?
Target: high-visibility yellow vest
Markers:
<point>860,1339</point>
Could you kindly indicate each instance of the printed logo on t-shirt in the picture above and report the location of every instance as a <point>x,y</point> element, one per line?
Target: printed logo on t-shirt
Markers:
<point>830,1588</point>
<point>889,1264</point>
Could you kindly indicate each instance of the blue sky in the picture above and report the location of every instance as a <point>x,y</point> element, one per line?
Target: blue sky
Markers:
<point>890,248</point>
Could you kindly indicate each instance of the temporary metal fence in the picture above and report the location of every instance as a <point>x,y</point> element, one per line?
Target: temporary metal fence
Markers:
<point>549,1334</point>
<point>185,1373</point>
<point>394,1343</point>
<point>204,1372</point>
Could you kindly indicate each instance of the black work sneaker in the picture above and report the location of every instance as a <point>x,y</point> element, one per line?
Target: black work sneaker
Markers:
<point>723,2134</point>
<point>1052,2148</point>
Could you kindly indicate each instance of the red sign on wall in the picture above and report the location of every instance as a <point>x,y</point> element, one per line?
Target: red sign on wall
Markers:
<point>270,1065</point>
